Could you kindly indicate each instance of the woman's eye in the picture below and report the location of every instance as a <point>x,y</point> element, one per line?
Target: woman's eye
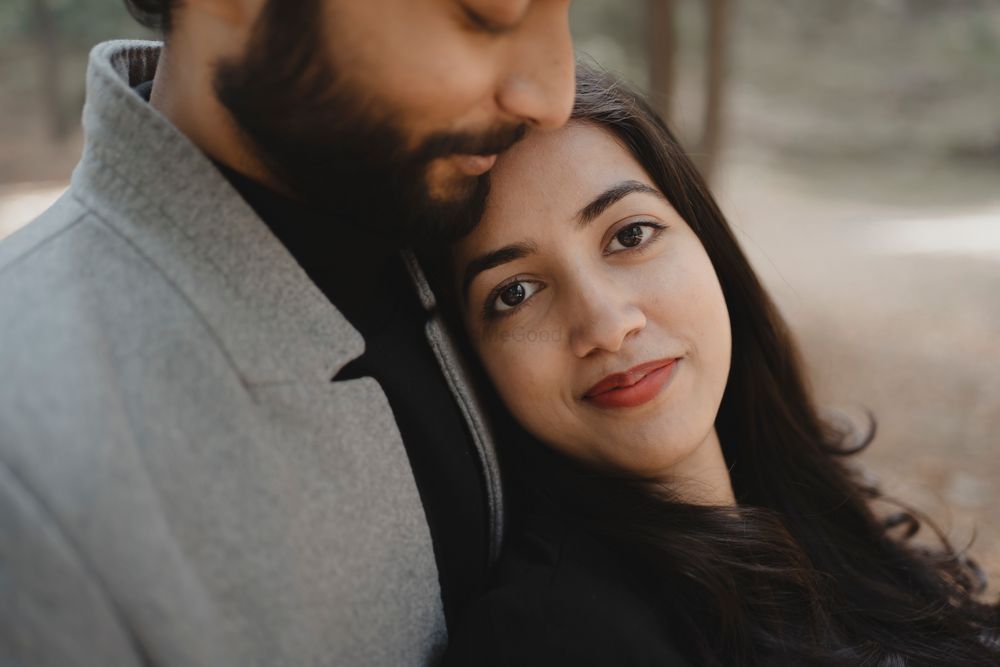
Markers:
<point>633,236</point>
<point>514,294</point>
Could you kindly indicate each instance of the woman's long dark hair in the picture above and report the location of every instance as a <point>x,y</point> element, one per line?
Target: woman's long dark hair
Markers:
<point>802,572</point>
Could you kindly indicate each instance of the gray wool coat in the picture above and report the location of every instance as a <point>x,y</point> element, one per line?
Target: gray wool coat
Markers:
<point>180,481</point>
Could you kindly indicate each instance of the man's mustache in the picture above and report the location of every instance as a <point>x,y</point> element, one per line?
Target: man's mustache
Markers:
<point>493,142</point>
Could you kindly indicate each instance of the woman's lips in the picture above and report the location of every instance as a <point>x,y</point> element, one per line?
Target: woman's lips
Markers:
<point>635,386</point>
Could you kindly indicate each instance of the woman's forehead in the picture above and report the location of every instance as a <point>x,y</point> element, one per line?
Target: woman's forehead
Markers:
<point>577,152</point>
<point>548,176</point>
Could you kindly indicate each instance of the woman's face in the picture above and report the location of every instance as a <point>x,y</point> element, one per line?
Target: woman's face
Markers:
<point>593,306</point>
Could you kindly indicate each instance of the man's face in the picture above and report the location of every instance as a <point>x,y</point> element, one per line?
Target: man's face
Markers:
<point>393,110</point>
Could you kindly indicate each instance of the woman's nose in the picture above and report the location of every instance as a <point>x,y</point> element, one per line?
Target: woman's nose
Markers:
<point>603,320</point>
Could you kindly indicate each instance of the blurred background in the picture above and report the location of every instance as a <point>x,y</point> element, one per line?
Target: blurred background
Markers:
<point>854,145</point>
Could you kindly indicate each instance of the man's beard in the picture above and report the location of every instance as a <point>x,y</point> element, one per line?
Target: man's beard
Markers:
<point>327,143</point>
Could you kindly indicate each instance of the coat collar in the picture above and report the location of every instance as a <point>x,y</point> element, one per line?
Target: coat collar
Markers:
<point>148,182</point>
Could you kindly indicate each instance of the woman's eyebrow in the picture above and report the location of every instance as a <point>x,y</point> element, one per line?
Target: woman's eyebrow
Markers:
<point>587,214</point>
<point>494,258</point>
<point>613,194</point>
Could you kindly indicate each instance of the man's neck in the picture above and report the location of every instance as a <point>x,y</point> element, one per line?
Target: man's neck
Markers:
<point>317,238</point>
<point>184,92</point>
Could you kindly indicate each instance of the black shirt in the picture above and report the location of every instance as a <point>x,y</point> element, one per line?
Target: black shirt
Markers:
<point>562,597</point>
<point>364,277</point>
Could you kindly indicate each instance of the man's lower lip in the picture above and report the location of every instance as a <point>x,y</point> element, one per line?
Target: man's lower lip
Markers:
<point>641,392</point>
<point>475,165</point>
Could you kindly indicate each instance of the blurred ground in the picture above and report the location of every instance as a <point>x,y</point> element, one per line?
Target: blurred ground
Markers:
<point>897,310</point>
<point>21,202</point>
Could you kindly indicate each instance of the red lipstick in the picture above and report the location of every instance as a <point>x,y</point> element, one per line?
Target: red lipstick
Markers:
<point>635,386</point>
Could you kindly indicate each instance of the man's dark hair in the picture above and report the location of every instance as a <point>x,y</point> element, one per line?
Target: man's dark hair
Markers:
<point>154,14</point>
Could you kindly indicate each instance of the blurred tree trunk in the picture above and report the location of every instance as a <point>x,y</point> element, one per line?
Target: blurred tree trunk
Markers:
<point>50,81</point>
<point>717,59</point>
<point>662,47</point>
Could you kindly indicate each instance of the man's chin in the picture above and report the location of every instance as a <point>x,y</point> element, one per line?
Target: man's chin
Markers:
<point>450,211</point>
<point>449,182</point>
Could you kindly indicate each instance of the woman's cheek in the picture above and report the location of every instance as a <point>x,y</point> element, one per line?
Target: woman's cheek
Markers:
<point>525,381</point>
<point>713,335</point>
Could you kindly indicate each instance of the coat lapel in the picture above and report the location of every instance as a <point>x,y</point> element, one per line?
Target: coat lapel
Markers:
<point>456,373</point>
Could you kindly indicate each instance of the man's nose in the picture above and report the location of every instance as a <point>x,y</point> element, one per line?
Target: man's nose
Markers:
<point>602,320</point>
<point>539,85</point>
